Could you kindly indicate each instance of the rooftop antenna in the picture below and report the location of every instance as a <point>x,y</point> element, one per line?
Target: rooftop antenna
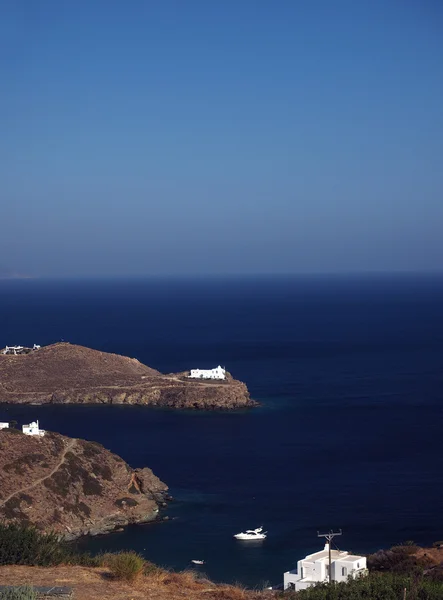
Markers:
<point>329,536</point>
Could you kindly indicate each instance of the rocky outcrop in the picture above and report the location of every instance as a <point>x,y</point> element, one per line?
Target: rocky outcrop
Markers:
<point>65,373</point>
<point>72,486</point>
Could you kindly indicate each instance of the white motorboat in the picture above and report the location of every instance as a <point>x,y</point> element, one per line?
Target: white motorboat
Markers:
<point>251,534</point>
<point>198,562</point>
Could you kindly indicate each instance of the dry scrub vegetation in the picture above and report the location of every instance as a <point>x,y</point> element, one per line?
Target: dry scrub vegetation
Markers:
<point>28,556</point>
<point>153,583</point>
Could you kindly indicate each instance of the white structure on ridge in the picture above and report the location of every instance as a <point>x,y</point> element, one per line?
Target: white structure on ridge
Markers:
<point>13,350</point>
<point>19,349</point>
<point>217,373</point>
<point>33,429</point>
<point>315,569</point>
<point>4,425</point>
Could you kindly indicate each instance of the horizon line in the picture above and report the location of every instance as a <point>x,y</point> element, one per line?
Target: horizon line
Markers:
<point>228,275</point>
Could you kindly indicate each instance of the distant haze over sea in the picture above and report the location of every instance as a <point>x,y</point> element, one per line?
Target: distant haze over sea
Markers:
<point>7,273</point>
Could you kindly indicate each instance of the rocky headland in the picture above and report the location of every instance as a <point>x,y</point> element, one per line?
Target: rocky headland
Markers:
<point>72,486</point>
<point>65,373</point>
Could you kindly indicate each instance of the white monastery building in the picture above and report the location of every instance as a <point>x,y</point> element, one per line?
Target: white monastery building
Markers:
<point>4,425</point>
<point>33,429</point>
<point>217,373</point>
<point>314,569</point>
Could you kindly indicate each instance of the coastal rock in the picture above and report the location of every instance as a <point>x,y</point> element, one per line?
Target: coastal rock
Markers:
<point>68,374</point>
<point>72,486</point>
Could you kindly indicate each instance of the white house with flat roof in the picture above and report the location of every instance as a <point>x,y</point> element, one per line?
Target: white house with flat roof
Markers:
<point>315,569</point>
<point>33,429</point>
<point>4,425</point>
<point>217,373</point>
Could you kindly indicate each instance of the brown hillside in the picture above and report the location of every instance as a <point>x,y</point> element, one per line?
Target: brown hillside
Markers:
<point>72,486</point>
<point>66,365</point>
<point>65,373</point>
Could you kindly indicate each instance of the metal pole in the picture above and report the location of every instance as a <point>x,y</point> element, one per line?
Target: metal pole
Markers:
<point>329,536</point>
<point>330,574</point>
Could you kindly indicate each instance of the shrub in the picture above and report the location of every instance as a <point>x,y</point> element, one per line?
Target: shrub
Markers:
<point>150,568</point>
<point>104,471</point>
<point>408,547</point>
<point>126,501</point>
<point>20,464</point>
<point>438,544</point>
<point>20,593</point>
<point>21,545</point>
<point>125,565</point>
<point>398,558</point>
<point>386,586</point>
<point>25,545</point>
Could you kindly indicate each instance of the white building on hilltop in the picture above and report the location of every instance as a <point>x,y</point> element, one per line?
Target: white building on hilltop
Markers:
<point>19,349</point>
<point>217,373</point>
<point>13,350</point>
<point>315,569</point>
<point>4,425</point>
<point>33,429</point>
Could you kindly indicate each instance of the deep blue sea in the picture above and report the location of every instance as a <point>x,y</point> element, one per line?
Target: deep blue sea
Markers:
<point>349,371</point>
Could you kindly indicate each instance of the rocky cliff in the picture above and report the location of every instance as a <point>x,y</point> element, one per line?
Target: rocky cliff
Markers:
<point>72,486</point>
<point>65,373</point>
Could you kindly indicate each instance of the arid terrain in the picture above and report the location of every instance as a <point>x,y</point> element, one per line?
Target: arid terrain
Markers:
<point>72,486</point>
<point>97,584</point>
<point>68,374</point>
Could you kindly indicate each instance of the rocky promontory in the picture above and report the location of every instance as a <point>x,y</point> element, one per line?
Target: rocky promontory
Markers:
<point>72,486</point>
<point>65,373</point>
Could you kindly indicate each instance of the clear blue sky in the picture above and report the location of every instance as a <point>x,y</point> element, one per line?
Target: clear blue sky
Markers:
<point>221,136</point>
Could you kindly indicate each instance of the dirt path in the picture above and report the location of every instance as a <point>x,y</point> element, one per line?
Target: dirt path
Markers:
<point>69,446</point>
<point>196,382</point>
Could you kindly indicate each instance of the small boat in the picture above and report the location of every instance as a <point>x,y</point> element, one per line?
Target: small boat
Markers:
<point>251,534</point>
<point>198,562</point>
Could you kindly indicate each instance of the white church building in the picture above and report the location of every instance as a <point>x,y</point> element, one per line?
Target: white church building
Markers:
<point>33,429</point>
<point>315,569</point>
<point>217,373</point>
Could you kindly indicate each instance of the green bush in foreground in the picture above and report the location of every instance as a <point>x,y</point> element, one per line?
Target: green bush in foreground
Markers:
<point>125,565</point>
<point>24,592</point>
<point>377,586</point>
<point>150,568</point>
<point>24,545</point>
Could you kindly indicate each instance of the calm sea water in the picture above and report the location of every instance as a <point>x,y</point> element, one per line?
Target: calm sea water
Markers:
<point>350,376</point>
